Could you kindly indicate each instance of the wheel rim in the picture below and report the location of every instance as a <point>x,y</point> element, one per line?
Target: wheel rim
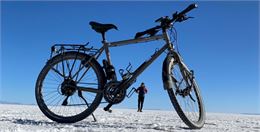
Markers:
<point>188,100</point>
<point>54,88</point>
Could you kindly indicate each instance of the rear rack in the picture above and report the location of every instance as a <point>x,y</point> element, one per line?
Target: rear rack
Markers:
<point>80,48</point>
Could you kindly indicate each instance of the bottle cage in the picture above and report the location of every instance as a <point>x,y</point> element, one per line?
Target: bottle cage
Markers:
<point>130,93</point>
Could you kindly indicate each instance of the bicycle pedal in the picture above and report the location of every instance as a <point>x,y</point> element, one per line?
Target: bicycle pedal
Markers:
<point>108,110</point>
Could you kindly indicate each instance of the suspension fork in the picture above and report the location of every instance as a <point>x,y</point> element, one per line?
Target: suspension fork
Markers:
<point>186,74</point>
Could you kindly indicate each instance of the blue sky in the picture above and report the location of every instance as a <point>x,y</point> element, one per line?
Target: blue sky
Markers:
<point>221,44</point>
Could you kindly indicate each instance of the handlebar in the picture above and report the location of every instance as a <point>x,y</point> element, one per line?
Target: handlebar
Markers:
<point>179,17</point>
<point>166,21</point>
<point>189,8</point>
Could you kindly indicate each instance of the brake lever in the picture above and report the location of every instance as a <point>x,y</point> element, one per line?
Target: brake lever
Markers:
<point>175,15</point>
<point>183,18</point>
<point>186,18</point>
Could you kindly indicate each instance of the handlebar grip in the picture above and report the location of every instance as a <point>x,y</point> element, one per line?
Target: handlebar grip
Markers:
<point>189,8</point>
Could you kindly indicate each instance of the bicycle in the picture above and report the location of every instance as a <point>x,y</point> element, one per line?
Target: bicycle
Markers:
<point>72,83</point>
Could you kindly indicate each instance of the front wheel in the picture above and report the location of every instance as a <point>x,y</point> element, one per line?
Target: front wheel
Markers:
<point>183,92</point>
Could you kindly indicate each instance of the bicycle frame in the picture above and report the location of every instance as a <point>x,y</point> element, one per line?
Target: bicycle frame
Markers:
<point>144,65</point>
<point>63,82</point>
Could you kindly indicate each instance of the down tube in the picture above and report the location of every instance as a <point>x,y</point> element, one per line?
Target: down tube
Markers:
<point>143,66</point>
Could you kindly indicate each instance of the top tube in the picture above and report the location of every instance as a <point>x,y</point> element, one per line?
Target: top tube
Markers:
<point>134,41</point>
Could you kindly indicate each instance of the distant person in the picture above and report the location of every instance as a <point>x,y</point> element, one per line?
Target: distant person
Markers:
<point>142,90</point>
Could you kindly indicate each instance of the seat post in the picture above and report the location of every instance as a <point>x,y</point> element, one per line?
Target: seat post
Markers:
<point>106,48</point>
<point>103,36</point>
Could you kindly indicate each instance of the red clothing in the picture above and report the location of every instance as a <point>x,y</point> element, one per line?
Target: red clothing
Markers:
<point>142,91</point>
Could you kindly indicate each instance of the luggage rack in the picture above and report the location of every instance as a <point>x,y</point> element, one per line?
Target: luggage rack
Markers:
<point>61,48</point>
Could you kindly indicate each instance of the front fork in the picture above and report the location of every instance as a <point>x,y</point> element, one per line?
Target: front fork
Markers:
<point>173,58</point>
<point>187,77</point>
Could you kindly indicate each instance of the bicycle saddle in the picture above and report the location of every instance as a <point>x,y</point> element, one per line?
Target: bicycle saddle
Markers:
<point>101,28</point>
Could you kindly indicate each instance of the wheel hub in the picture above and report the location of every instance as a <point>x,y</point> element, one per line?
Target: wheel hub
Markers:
<point>68,87</point>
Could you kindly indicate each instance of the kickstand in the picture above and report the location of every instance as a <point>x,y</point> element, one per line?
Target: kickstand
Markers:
<point>80,95</point>
<point>95,120</point>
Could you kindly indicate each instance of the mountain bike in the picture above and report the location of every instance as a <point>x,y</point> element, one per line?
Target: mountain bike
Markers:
<point>73,83</point>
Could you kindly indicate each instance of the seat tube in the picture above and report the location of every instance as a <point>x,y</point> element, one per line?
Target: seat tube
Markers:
<point>107,52</point>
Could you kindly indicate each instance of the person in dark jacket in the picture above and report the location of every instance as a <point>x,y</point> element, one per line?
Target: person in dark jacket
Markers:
<point>142,90</point>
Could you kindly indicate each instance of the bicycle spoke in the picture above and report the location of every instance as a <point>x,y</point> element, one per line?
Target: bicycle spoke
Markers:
<point>56,76</point>
<point>63,68</point>
<point>55,70</point>
<point>77,75</point>
<point>191,98</point>
<point>72,108</point>
<point>83,74</point>
<point>70,70</point>
<point>55,105</point>
<point>56,96</point>
<point>68,67</point>
<point>50,87</point>
<point>79,70</point>
<point>51,91</point>
<point>195,112</point>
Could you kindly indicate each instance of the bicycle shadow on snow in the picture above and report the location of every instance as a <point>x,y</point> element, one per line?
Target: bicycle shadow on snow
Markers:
<point>81,124</point>
<point>32,122</point>
<point>98,125</point>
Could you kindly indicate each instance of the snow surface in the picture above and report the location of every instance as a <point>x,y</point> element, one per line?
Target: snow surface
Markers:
<point>28,118</point>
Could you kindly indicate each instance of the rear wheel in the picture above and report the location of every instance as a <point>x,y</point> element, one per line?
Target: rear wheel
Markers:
<point>184,93</point>
<point>60,87</point>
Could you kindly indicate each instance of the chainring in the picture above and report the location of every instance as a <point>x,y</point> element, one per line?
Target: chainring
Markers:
<point>110,94</point>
